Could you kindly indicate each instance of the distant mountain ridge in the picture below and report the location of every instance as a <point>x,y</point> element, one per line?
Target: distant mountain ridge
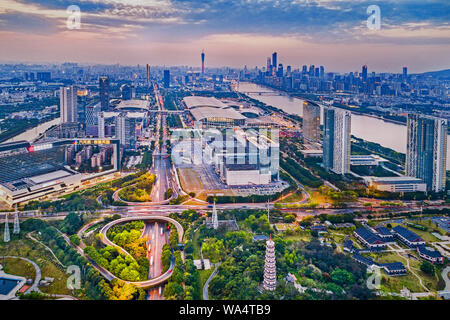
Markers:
<point>441,74</point>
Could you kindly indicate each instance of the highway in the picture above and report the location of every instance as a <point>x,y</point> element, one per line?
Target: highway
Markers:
<point>156,233</point>
<point>161,164</point>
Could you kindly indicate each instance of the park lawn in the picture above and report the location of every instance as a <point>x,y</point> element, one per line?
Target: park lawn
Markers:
<point>395,284</point>
<point>196,245</point>
<point>337,238</point>
<point>430,225</point>
<point>18,267</point>
<point>204,275</point>
<point>317,197</point>
<point>298,236</point>
<point>37,253</point>
<point>297,196</point>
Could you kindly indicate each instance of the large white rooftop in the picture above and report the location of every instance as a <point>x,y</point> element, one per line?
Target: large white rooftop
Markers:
<point>195,102</point>
<point>212,112</point>
<point>133,104</point>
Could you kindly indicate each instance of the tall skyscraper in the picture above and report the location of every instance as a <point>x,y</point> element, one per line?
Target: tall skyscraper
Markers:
<point>405,73</point>
<point>125,129</point>
<point>311,70</point>
<point>104,92</point>
<point>305,69</point>
<point>426,150</point>
<point>269,66</point>
<point>311,121</point>
<point>364,73</point>
<point>148,75</point>
<point>336,140</point>
<point>270,268</point>
<point>280,70</point>
<point>101,125</point>
<point>166,79</point>
<point>274,61</point>
<point>203,63</point>
<point>322,72</point>
<point>68,104</point>
<point>92,112</point>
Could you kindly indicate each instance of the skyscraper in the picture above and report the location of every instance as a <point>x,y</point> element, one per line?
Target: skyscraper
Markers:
<point>274,61</point>
<point>148,74</point>
<point>322,72</point>
<point>104,92</point>
<point>128,91</point>
<point>311,121</point>
<point>305,69</point>
<point>203,63</point>
<point>92,112</point>
<point>405,73</point>
<point>125,129</point>
<point>426,150</point>
<point>311,70</point>
<point>336,140</point>
<point>166,79</point>
<point>101,125</point>
<point>280,70</point>
<point>68,104</point>
<point>269,67</point>
<point>270,268</point>
<point>364,73</point>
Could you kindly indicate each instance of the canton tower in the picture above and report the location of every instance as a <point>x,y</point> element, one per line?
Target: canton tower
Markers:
<point>203,63</point>
<point>270,269</point>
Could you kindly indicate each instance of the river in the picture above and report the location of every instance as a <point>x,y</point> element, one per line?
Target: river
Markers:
<point>388,134</point>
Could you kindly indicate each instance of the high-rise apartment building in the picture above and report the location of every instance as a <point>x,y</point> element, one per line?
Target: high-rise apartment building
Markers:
<point>101,125</point>
<point>104,92</point>
<point>426,153</point>
<point>68,104</point>
<point>364,73</point>
<point>125,129</point>
<point>336,140</point>
<point>274,61</point>
<point>166,80</point>
<point>311,121</point>
<point>91,122</point>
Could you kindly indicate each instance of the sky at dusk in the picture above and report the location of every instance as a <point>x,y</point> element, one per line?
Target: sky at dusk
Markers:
<point>232,33</point>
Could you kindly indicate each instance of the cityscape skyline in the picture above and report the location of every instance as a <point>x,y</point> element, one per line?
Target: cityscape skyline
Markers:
<point>308,32</point>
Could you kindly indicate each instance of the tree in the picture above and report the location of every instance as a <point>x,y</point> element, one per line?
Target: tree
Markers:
<point>427,268</point>
<point>342,277</point>
<point>173,291</point>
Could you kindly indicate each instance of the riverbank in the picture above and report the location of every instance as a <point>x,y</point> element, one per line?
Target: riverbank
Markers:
<point>388,133</point>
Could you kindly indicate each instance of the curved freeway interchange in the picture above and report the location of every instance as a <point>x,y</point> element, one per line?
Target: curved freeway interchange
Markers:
<point>154,281</point>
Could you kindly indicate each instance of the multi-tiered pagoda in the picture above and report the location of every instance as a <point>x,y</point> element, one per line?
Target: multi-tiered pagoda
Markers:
<point>270,269</point>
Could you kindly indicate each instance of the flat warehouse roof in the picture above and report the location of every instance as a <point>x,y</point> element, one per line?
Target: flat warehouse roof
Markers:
<point>211,112</point>
<point>50,176</point>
